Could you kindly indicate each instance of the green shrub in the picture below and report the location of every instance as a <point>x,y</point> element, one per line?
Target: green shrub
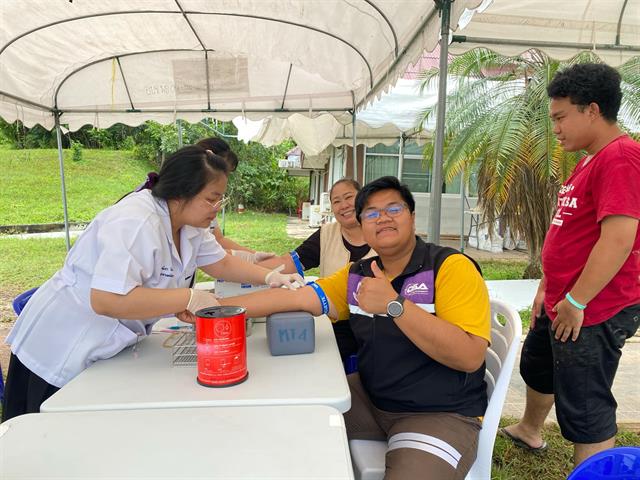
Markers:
<point>128,143</point>
<point>76,151</point>
<point>145,153</point>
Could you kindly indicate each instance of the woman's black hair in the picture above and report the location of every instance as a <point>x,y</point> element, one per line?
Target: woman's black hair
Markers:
<point>222,149</point>
<point>186,172</point>
<point>384,183</point>
<point>348,181</point>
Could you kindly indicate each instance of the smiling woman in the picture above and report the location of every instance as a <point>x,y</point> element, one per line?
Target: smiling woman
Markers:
<point>331,248</point>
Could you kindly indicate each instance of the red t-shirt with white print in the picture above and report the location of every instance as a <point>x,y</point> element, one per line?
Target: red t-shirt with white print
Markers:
<point>608,184</point>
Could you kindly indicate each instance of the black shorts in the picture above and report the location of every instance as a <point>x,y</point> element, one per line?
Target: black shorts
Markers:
<point>24,391</point>
<point>580,374</point>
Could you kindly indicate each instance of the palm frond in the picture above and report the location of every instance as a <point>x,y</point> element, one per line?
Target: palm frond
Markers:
<point>497,123</point>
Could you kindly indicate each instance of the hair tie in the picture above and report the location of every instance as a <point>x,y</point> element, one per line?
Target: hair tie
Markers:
<point>152,179</point>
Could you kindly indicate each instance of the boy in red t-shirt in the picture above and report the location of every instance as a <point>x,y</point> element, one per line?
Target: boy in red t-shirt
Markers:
<point>588,302</point>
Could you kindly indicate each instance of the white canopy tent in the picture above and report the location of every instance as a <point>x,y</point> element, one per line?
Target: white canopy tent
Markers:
<point>99,63</point>
<point>610,28</point>
<point>79,62</point>
<point>385,120</point>
<point>132,60</point>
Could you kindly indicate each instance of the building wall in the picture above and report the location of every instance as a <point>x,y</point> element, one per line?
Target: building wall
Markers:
<point>451,211</point>
<point>452,208</point>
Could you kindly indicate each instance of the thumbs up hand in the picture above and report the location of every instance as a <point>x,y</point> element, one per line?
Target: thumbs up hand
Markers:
<point>375,293</point>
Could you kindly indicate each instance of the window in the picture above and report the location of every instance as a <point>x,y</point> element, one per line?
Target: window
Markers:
<point>416,174</point>
<point>383,160</point>
<point>380,166</point>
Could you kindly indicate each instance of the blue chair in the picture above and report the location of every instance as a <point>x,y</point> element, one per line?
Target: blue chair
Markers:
<point>21,300</point>
<point>351,364</point>
<point>621,463</point>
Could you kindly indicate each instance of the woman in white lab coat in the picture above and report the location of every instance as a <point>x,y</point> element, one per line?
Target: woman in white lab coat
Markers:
<point>132,265</point>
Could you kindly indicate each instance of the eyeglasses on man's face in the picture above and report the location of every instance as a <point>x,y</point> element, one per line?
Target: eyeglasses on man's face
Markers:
<point>392,210</point>
<point>220,204</point>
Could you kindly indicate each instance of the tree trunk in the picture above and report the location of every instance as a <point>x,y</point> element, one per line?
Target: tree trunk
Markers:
<point>534,268</point>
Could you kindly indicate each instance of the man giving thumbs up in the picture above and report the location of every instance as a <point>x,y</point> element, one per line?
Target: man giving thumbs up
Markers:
<point>420,314</point>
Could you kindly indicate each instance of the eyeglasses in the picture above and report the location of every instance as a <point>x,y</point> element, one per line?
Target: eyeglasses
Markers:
<point>373,214</point>
<point>220,204</point>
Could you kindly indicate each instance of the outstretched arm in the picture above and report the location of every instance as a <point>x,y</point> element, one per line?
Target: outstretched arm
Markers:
<point>274,262</point>
<point>140,302</point>
<point>275,300</point>
<point>235,269</point>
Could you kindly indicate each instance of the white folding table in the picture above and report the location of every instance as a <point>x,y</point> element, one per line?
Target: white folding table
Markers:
<point>144,378</point>
<point>269,442</point>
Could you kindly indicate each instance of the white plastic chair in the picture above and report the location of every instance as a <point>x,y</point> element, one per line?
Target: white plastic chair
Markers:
<point>368,456</point>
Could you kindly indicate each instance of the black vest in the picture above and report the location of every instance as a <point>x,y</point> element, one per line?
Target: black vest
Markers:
<point>398,376</point>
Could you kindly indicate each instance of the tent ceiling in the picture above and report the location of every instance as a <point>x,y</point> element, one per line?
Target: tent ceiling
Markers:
<point>395,113</point>
<point>609,27</point>
<point>133,60</point>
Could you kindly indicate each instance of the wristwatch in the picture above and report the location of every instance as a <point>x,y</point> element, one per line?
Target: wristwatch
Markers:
<point>395,307</point>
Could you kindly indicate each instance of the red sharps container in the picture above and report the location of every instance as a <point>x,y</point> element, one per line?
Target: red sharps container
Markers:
<point>221,346</point>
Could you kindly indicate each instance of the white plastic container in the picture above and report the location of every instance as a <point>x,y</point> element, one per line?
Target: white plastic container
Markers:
<point>306,207</point>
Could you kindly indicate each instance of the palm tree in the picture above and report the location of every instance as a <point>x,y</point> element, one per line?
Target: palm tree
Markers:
<point>497,123</point>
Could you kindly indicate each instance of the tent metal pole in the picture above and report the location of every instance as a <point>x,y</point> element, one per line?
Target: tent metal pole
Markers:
<point>401,157</point>
<point>436,178</point>
<point>542,44</point>
<point>462,201</point>
<point>355,147</point>
<point>62,184</point>
<point>332,165</point>
<point>179,125</point>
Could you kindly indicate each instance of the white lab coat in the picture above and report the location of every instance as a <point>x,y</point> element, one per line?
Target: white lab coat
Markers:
<point>129,244</point>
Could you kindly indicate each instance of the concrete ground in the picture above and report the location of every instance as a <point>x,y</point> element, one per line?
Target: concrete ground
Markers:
<point>626,388</point>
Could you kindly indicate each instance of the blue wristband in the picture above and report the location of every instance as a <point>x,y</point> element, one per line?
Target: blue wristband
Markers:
<point>296,261</point>
<point>322,296</point>
<point>574,302</point>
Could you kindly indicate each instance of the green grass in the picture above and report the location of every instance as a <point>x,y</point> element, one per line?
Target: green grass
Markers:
<point>31,184</point>
<point>266,232</point>
<point>28,263</point>
<point>502,270</point>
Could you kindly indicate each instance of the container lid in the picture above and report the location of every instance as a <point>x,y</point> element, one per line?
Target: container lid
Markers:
<point>297,315</point>
<point>220,312</point>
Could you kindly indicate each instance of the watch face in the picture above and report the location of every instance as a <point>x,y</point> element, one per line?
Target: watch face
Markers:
<point>395,309</point>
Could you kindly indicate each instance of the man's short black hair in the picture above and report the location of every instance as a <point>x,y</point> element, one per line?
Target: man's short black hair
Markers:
<point>587,83</point>
<point>384,183</point>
